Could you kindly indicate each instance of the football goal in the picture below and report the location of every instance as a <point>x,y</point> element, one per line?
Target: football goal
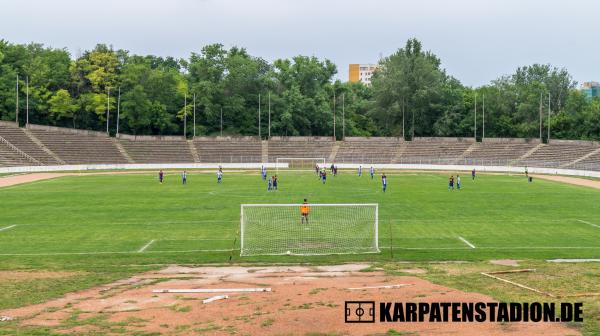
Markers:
<point>299,163</point>
<point>280,229</point>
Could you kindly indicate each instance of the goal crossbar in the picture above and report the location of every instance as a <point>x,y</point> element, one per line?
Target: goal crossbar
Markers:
<point>327,228</point>
<point>320,160</point>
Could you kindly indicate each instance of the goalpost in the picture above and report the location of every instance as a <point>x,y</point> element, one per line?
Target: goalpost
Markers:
<point>299,163</point>
<point>279,229</point>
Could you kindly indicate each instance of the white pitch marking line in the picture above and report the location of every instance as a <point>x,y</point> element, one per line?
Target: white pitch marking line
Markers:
<point>592,224</point>
<point>382,287</point>
<point>146,246</point>
<point>8,227</point>
<point>466,242</point>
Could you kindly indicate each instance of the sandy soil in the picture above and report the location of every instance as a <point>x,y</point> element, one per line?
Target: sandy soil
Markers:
<point>570,180</point>
<point>303,300</point>
<point>25,178</point>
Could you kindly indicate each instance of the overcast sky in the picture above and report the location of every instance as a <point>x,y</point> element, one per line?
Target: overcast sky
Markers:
<point>477,40</point>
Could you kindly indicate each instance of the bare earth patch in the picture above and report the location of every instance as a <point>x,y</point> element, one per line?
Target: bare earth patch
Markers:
<point>571,180</point>
<point>505,262</point>
<point>304,300</point>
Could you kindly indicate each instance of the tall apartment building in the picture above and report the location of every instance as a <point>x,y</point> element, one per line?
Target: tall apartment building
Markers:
<point>361,73</point>
<point>591,89</point>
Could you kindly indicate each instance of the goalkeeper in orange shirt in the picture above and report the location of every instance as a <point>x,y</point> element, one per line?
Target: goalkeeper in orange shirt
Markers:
<point>304,211</point>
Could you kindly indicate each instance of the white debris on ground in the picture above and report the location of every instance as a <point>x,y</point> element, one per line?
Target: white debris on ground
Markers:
<point>5,318</point>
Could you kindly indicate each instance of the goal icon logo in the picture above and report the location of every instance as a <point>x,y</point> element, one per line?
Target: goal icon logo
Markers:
<point>291,229</point>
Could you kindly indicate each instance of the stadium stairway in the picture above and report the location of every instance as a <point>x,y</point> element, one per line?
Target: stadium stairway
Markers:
<point>584,158</point>
<point>122,151</point>
<point>333,153</point>
<point>194,151</point>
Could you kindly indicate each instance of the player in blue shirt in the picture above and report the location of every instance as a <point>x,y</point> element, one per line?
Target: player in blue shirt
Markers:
<point>360,171</point>
<point>263,171</point>
<point>384,181</point>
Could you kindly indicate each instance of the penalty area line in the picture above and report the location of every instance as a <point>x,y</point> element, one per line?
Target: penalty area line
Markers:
<point>588,223</point>
<point>7,228</point>
<point>466,242</point>
<point>146,246</point>
<point>110,252</point>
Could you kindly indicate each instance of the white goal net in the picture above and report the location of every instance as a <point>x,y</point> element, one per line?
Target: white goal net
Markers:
<point>279,229</point>
<point>299,163</point>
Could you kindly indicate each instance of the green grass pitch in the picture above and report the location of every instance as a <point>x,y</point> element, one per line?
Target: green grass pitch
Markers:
<point>111,218</point>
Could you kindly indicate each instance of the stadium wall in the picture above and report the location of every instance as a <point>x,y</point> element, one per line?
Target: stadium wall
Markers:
<point>443,139</point>
<point>150,137</point>
<point>379,167</point>
<point>576,143</point>
<point>65,130</point>
<point>512,140</point>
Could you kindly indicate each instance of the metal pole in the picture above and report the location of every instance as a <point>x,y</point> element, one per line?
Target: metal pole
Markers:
<point>343,118</point>
<point>27,101</point>
<point>541,114</point>
<point>184,114</point>
<point>221,121</point>
<point>334,113</point>
<point>259,136</point>
<point>118,110</point>
<point>269,115</point>
<point>483,121</point>
<point>17,107</point>
<point>548,117</point>
<point>403,136</point>
<point>194,122</point>
<point>475,134</point>
<point>107,109</point>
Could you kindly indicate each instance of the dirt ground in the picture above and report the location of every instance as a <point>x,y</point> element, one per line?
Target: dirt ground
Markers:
<point>570,180</point>
<point>303,300</point>
<point>25,178</point>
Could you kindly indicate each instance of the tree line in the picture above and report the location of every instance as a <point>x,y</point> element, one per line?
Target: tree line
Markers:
<point>411,95</point>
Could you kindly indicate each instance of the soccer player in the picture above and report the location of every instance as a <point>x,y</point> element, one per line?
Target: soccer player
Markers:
<point>275,182</point>
<point>324,178</point>
<point>161,176</point>
<point>334,170</point>
<point>263,171</point>
<point>526,173</point>
<point>473,174</point>
<point>304,211</point>
<point>317,170</point>
<point>384,181</point>
<point>270,186</point>
<point>184,177</point>
<point>457,182</point>
<point>372,172</point>
<point>451,183</point>
<point>360,171</point>
<point>219,176</point>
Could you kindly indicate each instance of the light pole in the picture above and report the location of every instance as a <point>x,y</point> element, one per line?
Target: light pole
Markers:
<point>184,114</point>
<point>26,101</point>
<point>118,110</point>
<point>194,121</point>
<point>334,113</point>
<point>475,124</point>
<point>107,109</point>
<point>17,106</point>
<point>343,118</point>
<point>259,117</point>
